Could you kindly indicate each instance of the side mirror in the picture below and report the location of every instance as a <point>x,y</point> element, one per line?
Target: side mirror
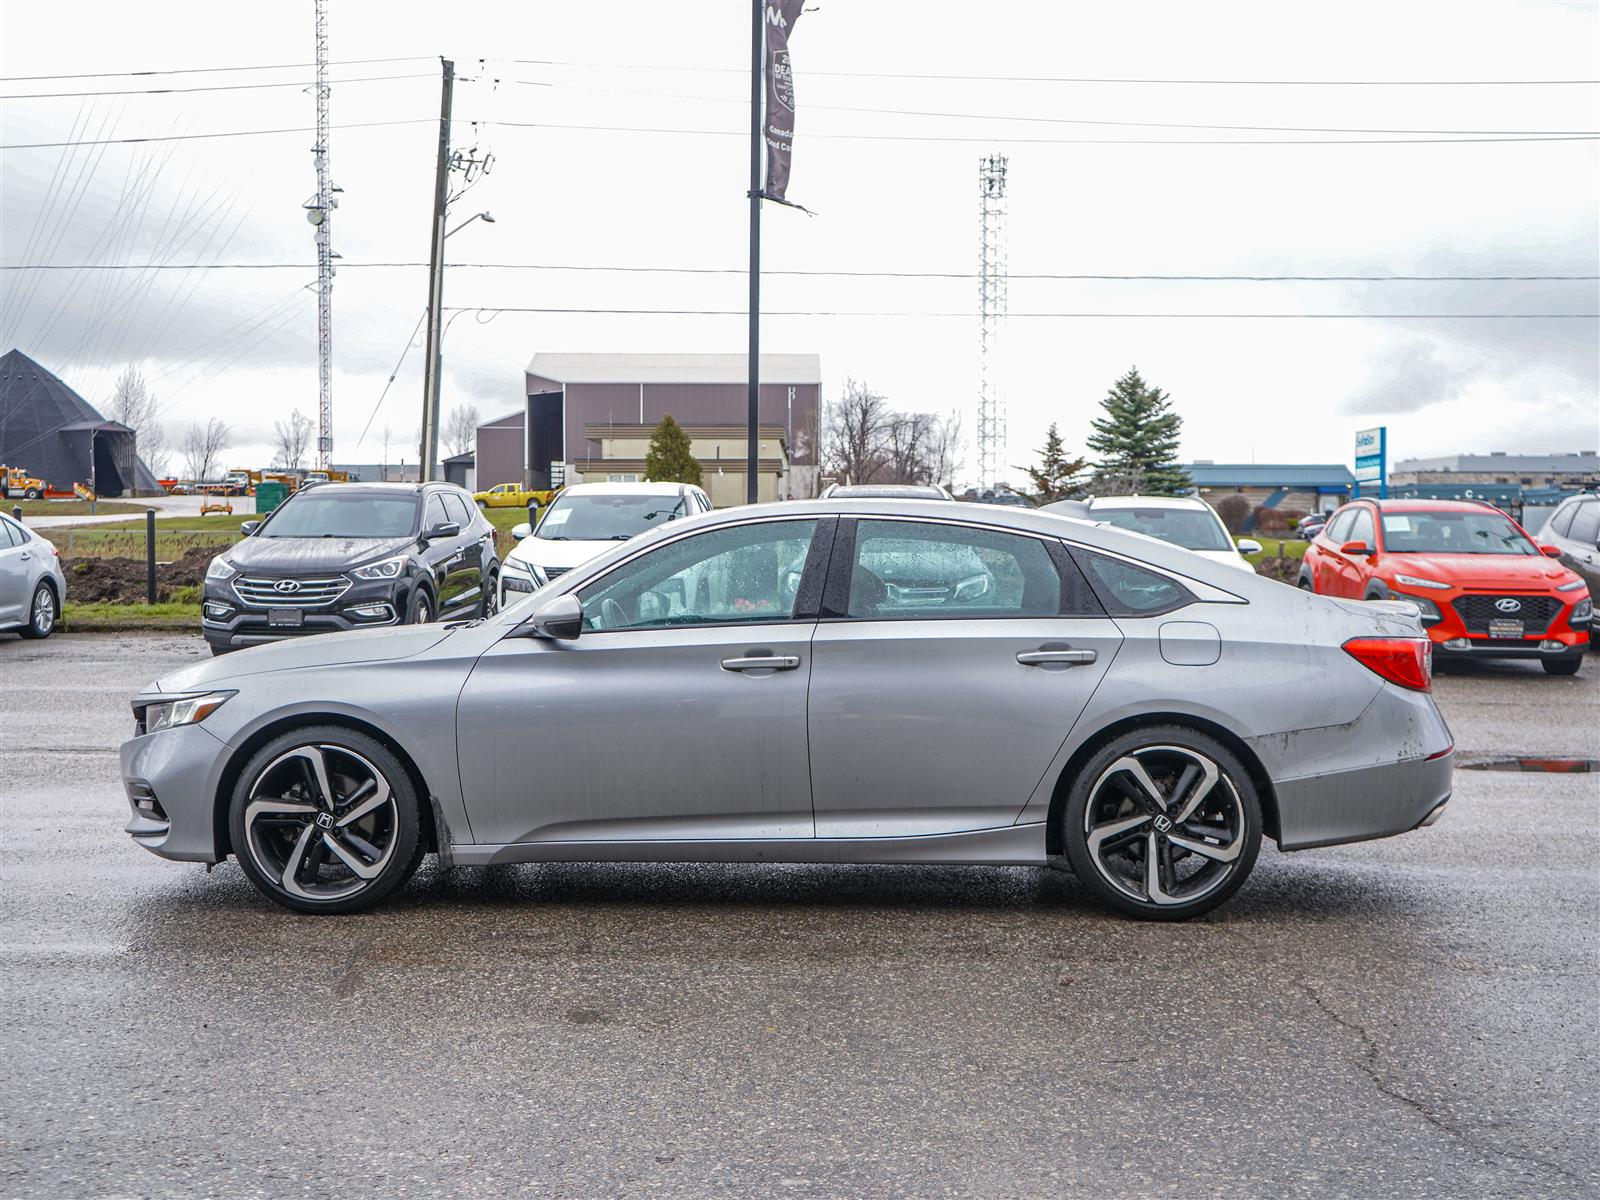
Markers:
<point>441,531</point>
<point>518,532</point>
<point>249,527</point>
<point>560,620</point>
<point>1249,546</point>
<point>1355,549</point>
<point>1550,551</point>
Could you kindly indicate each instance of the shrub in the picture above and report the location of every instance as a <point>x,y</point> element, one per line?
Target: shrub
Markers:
<point>1270,520</point>
<point>1233,510</point>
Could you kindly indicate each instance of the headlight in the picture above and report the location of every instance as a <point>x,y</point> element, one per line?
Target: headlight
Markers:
<point>1571,587</point>
<point>221,568</point>
<point>1413,581</point>
<point>1430,610</point>
<point>189,710</point>
<point>388,568</point>
<point>521,577</point>
<point>1583,613</point>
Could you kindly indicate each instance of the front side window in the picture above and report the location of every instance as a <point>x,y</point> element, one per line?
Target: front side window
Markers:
<point>457,508</point>
<point>436,513</point>
<point>749,573</point>
<point>602,518</point>
<point>1361,528</point>
<point>906,570</point>
<point>1130,591</point>
<point>1453,532</point>
<point>1339,524</point>
<point>1191,528</point>
<point>1586,524</point>
<point>319,513</point>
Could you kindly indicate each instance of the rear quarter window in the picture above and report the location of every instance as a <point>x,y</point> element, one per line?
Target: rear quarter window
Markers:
<point>1127,590</point>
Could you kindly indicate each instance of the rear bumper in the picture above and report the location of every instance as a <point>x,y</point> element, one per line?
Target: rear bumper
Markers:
<point>1365,803</point>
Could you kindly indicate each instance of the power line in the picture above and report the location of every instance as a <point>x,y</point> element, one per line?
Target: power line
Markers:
<point>809,273</point>
<point>213,87</point>
<point>1164,316</point>
<point>347,62</point>
<point>551,62</point>
<point>191,137</point>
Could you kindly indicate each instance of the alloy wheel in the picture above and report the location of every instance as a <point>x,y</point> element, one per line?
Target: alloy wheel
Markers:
<point>1164,825</point>
<point>321,822</point>
<point>44,612</point>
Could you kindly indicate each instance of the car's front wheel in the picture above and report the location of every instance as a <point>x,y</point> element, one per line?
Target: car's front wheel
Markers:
<point>1162,823</point>
<point>419,610</point>
<point>1567,664</point>
<point>41,613</point>
<point>326,820</point>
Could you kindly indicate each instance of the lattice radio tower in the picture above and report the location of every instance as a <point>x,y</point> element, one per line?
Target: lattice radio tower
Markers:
<point>320,213</point>
<point>991,319</point>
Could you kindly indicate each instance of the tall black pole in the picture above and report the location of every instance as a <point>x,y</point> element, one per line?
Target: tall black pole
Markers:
<point>752,442</point>
<point>432,361</point>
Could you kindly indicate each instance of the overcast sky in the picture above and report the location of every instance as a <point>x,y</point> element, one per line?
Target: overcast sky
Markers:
<point>240,344</point>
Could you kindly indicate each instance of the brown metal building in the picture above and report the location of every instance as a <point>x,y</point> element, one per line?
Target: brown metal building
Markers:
<point>586,414</point>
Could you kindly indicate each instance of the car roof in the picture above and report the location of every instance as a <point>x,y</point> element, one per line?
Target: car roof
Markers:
<point>372,489</point>
<point>625,489</point>
<point>1146,502</point>
<point>1404,506</point>
<point>886,491</point>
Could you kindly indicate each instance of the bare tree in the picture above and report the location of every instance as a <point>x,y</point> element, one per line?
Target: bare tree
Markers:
<point>854,434</point>
<point>461,430</point>
<point>134,405</point>
<point>291,438</point>
<point>943,451</point>
<point>202,447</point>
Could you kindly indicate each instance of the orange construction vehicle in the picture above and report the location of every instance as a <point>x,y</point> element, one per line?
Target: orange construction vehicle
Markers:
<point>14,481</point>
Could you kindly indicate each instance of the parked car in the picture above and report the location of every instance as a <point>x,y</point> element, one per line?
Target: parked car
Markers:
<point>505,495</point>
<point>32,587</point>
<point>1310,525</point>
<point>1484,587</point>
<point>343,556</point>
<point>1574,529</point>
<point>1111,702</point>
<point>587,519</point>
<point>884,491</point>
<point>1182,520</point>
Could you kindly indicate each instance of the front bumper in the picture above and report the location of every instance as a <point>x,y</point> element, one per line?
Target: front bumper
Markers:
<point>170,779</point>
<point>1453,639</point>
<point>245,624</point>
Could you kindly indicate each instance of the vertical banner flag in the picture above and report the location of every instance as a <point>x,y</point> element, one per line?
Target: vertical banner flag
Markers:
<point>780,18</point>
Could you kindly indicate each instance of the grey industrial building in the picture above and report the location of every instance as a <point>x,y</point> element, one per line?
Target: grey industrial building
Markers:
<point>588,417</point>
<point>1575,470</point>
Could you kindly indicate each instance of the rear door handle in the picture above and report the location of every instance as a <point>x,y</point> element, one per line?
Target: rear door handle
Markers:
<point>770,662</point>
<point>1070,658</point>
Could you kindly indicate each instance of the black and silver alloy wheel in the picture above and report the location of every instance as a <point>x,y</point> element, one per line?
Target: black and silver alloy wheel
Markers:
<point>325,820</point>
<point>1163,823</point>
<point>41,613</point>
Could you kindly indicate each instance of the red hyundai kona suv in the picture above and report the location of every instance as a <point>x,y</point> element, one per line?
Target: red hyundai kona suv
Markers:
<point>1485,588</point>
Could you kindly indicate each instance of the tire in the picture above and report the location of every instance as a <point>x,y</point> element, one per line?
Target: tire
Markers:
<point>419,609</point>
<point>1567,664</point>
<point>1305,585</point>
<point>31,494</point>
<point>1111,824</point>
<point>315,857</point>
<point>42,613</point>
<point>491,596</point>
<point>483,506</point>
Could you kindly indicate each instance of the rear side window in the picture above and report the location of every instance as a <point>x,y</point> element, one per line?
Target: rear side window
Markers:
<point>911,570</point>
<point>1562,521</point>
<point>10,536</point>
<point>1586,524</point>
<point>1127,590</point>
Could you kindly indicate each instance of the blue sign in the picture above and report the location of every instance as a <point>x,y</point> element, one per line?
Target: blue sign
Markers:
<point>1372,459</point>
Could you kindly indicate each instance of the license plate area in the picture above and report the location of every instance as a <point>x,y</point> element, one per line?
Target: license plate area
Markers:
<point>1500,627</point>
<point>293,618</point>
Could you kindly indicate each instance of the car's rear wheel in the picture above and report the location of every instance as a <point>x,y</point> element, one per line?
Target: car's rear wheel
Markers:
<point>1162,823</point>
<point>1567,664</point>
<point>41,613</point>
<point>491,596</point>
<point>326,820</point>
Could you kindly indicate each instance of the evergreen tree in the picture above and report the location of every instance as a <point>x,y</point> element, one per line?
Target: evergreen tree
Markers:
<point>1137,440</point>
<point>1057,477</point>
<point>670,458</point>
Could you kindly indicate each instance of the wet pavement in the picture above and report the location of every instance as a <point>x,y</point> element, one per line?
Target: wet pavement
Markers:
<point>1409,1017</point>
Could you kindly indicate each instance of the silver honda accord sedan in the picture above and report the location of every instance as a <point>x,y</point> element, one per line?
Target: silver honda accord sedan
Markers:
<point>863,681</point>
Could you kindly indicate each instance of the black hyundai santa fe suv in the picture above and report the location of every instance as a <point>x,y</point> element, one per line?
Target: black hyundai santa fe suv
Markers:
<point>349,555</point>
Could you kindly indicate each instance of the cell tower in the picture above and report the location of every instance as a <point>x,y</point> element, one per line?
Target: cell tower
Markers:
<point>320,213</point>
<point>991,319</point>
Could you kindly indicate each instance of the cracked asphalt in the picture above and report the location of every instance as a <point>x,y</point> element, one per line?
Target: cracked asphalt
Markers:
<point>1409,1017</point>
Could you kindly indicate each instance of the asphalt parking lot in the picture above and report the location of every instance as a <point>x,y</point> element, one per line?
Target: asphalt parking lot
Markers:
<point>1410,1017</point>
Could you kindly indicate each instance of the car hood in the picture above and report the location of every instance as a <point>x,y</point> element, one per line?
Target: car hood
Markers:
<point>294,654</point>
<point>299,556</point>
<point>1481,570</point>
<point>543,552</point>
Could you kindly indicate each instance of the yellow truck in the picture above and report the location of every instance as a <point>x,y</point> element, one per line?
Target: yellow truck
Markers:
<point>14,481</point>
<point>512,495</point>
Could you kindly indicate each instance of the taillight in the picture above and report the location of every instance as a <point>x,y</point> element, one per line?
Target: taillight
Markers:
<point>1405,661</point>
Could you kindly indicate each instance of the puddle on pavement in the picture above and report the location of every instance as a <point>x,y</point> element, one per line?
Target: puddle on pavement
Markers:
<point>1552,763</point>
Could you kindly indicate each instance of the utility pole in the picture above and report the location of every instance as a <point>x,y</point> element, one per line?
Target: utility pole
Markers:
<point>432,361</point>
<point>758,38</point>
<point>321,215</point>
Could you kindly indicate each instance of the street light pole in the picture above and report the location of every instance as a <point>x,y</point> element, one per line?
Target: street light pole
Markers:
<point>431,363</point>
<point>752,491</point>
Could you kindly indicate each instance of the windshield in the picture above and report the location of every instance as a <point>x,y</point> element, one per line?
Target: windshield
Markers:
<point>602,518</point>
<point>1483,532</point>
<point>343,514</point>
<point>1187,527</point>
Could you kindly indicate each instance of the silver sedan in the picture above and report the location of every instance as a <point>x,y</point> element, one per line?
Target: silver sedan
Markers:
<point>745,686</point>
<point>32,586</point>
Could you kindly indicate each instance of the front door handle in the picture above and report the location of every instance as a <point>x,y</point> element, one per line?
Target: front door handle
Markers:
<point>769,662</point>
<point>1069,658</point>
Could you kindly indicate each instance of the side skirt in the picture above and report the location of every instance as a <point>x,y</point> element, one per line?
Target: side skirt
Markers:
<point>1015,845</point>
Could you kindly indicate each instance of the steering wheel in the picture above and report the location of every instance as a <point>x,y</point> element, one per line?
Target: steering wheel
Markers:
<point>611,614</point>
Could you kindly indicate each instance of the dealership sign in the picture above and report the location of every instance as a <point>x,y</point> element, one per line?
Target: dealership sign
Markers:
<point>1372,449</point>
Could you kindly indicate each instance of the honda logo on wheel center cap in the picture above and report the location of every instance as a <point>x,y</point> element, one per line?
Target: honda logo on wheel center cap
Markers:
<point>1508,604</point>
<point>324,820</point>
<point>1163,824</point>
<point>286,585</point>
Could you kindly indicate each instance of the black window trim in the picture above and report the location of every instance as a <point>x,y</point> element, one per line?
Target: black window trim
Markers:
<point>1115,608</point>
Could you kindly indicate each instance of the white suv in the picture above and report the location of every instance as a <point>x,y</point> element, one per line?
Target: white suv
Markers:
<point>585,520</point>
<point>1181,520</point>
